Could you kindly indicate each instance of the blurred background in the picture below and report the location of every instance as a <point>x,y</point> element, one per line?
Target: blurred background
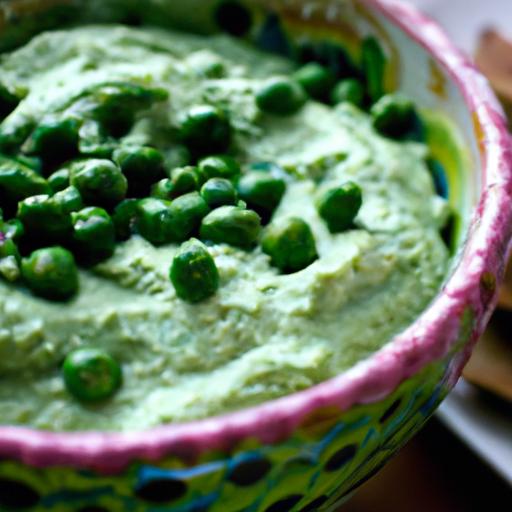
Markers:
<point>462,461</point>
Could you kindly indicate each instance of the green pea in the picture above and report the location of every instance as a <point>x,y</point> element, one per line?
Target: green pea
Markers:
<point>339,206</point>
<point>32,162</point>
<point>91,375</point>
<point>184,180</point>
<point>54,139</point>
<point>69,199</point>
<point>164,189</point>
<point>59,180</point>
<point>155,222</point>
<point>51,273</point>
<point>94,235</point>
<point>207,65</point>
<point>18,182</point>
<point>95,142</point>
<point>262,192</point>
<point>290,244</point>
<point>193,273</point>
<point>100,182</point>
<point>220,166</point>
<point>8,247</point>
<point>374,67</point>
<point>9,259</point>
<point>205,130</point>
<point>393,115</point>
<point>9,100</point>
<point>115,104</point>
<point>124,218</point>
<point>14,130</point>
<point>316,80</point>
<point>231,225</point>
<point>44,219</point>
<point>142,167</point>
<point>219,192</point>
<point>281,96</point>
<point>188,211</point>
<point>10,269</point>
<point>349,91</point>
<point>13,229</point>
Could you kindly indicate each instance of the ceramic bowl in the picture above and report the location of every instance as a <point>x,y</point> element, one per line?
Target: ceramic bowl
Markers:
<point>311,450</point>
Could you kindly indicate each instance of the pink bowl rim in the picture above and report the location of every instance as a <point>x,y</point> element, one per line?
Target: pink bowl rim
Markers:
<point>430,338</point>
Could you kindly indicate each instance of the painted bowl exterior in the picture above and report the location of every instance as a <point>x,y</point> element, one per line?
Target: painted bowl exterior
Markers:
<point>308,451</point>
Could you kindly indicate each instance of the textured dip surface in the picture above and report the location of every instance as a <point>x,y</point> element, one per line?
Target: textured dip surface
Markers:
<point>263,335</point>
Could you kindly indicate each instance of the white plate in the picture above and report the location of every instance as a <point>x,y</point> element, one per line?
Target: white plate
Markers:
<point>465,19</point>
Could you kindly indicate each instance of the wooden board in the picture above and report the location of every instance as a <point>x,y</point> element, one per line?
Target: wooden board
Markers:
<point>491,365</point>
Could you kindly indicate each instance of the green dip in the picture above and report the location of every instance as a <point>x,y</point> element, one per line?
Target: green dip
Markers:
<point>263,334</point>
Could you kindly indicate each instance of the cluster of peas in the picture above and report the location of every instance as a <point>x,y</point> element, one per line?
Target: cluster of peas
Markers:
<point>79,212</point>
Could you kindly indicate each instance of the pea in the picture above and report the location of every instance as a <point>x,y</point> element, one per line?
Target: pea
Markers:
<point>8,247</point>
<point>13,229</point>
<point>205,130</point>
<point>219,192</point>
<point>220,166</point>
<point>44,218</point>
<point>95,142</point>
<point>91,375</point>
<point>207,65</point>
<point>184,180</point>
<point>115,104</point>
<point>9,100</point>
<point>393,116</point>
<point>141,165</point>
<point>51,273</point>
<point>10,269</point>
<point>155,222</point>
<point>94,235</point>
<point>32,162</point>
<point>316,80</point>
<point>374,67</point>
<point>281,96</point>
<point>164,189</point>
<point>69,199</point>
<point>262,192</point>
<point>188,211</point>
<point>349,91</point>
<point>124,217</point>
<point>9,259</point>
<point>18,182</point>
<point>14,130</point>
<point>339,206</point>
<point>59,180</point>
<point>231,225</point>
<point>193,272</point>
<point>54,140</point>
<point>100,182</point>
<point>290,244</point>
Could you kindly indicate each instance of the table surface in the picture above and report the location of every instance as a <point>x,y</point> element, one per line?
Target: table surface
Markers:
<point>435,472</point>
